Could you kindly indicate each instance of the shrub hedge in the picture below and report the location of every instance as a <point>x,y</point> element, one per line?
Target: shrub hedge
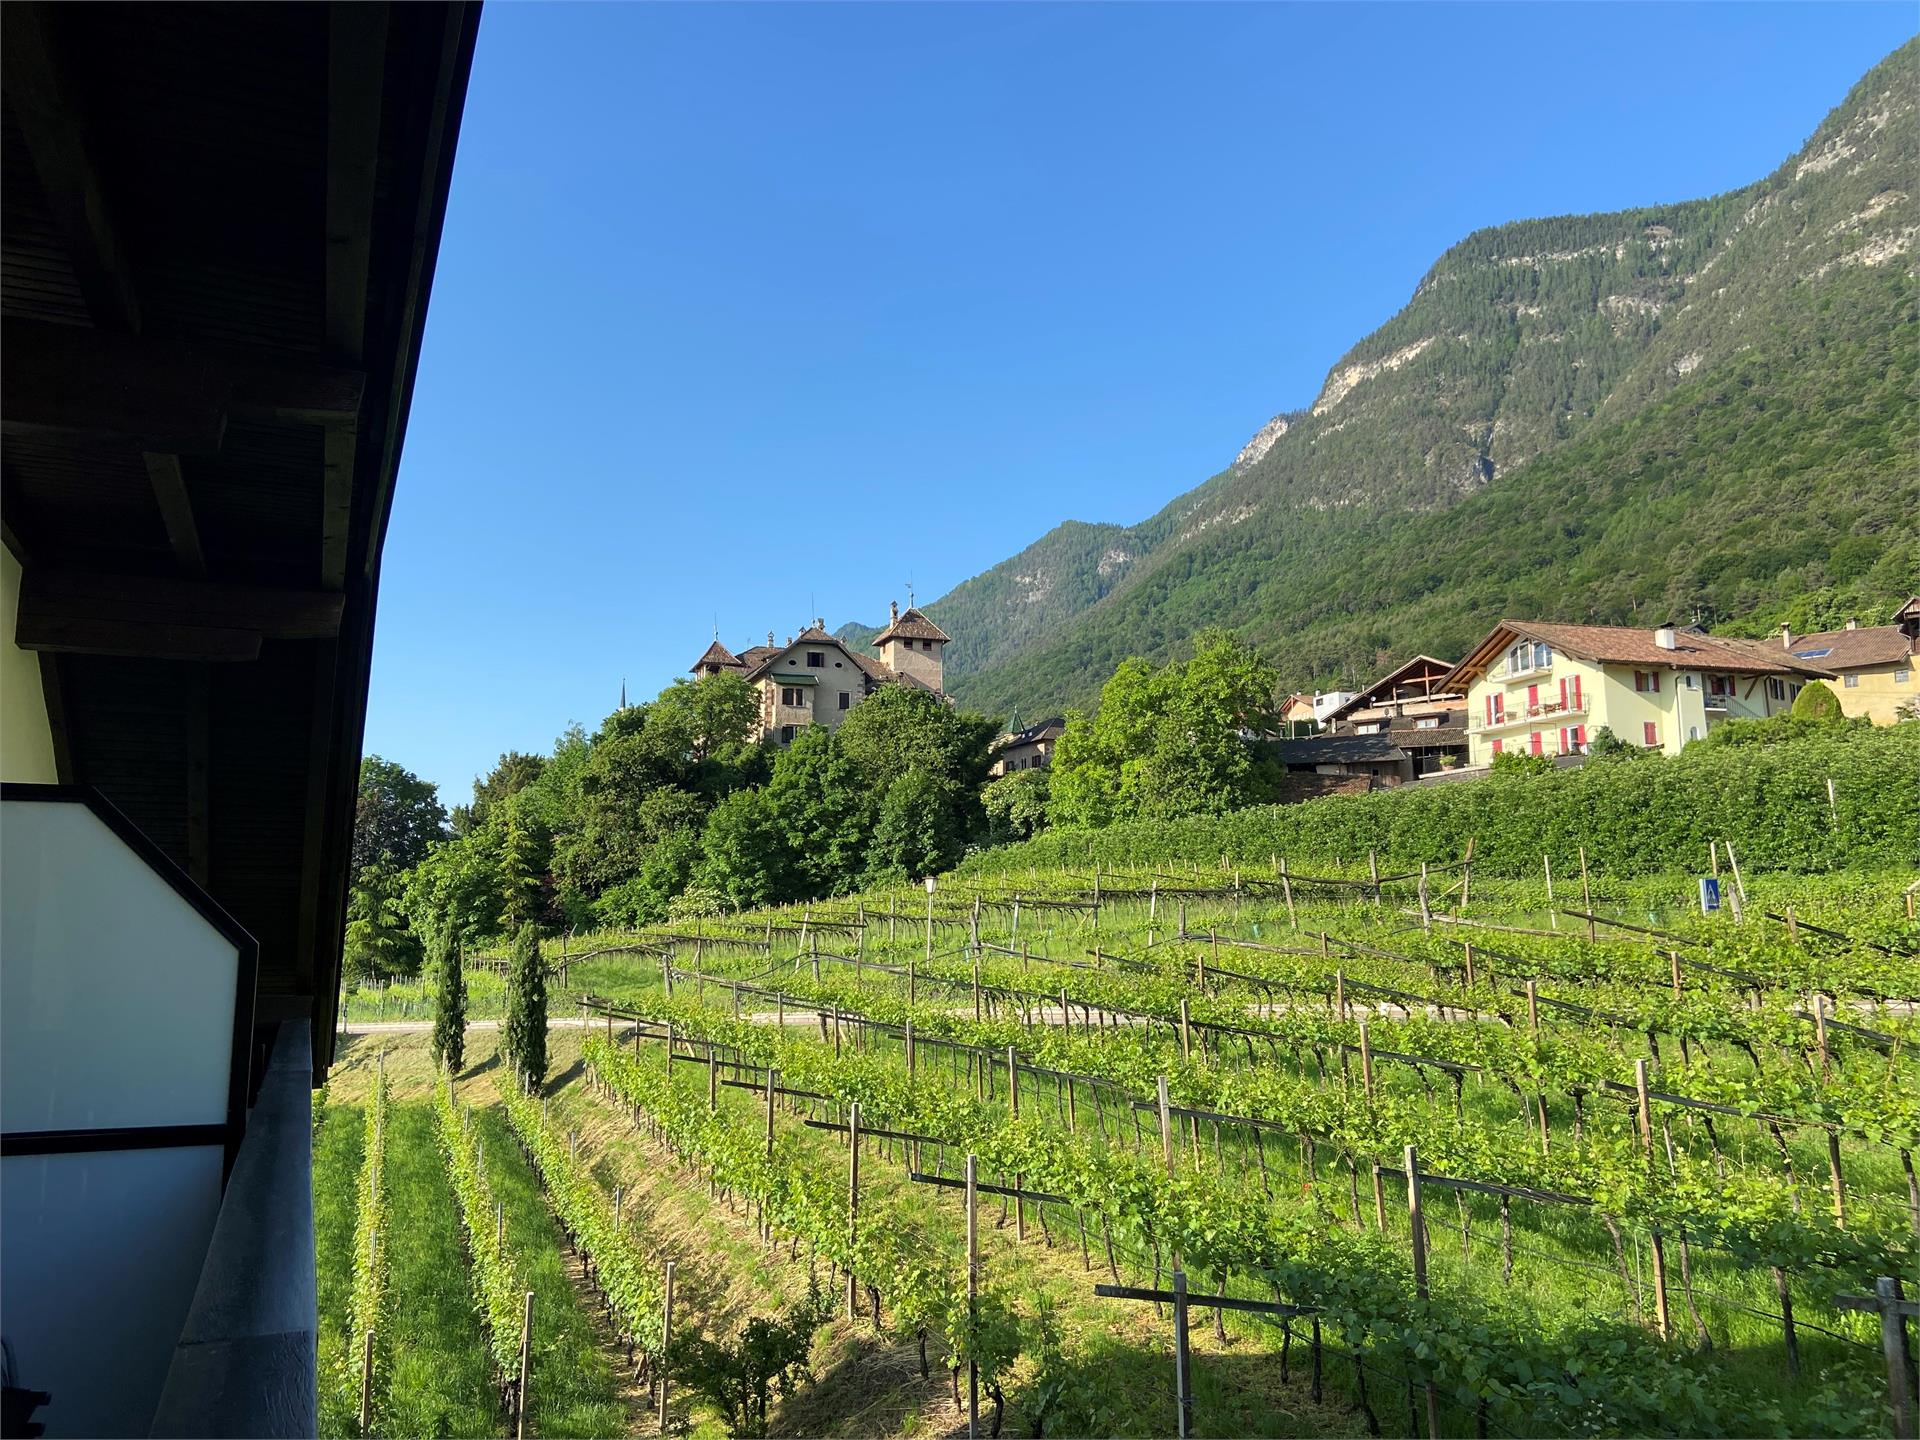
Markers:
<point>1647,813</point>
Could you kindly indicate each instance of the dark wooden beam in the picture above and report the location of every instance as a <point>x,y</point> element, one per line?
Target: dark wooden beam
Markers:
<point>72,383</point>
<point>53,694</point>
<point>56,135</point>
<point>199,684</point>
<point>176,510</point>
<point>356,86</point>
<point>164,617</point>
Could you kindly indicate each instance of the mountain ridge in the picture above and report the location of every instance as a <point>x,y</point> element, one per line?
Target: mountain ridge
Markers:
<point>1537,352</point>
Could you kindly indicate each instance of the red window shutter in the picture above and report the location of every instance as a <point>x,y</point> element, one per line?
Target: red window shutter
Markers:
<point>1489,709</point>
<point>1563,692</point>
<point>1496,747</point>
<point>1533,742</point>
<point>1576,692</point>
<point>1533,697</point>
<point>1655,677</point>
<point>1651,732</point>
<point>1579,734</point>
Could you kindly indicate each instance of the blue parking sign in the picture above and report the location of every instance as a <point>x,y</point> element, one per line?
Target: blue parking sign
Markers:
<point>1709,894</point>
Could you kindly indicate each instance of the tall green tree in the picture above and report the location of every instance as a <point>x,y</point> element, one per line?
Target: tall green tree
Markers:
<point>449,999</point>
<point>379,946</point>
<point>824,810</point>
<point>396,816</point>
<point>1170,741</point>
<point>523,869</point>
<point>921,830</point>
<point>743,854</point>
<point>513,772</point>
<point>525,1037</point>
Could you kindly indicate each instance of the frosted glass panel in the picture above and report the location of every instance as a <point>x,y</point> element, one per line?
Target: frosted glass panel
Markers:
<point>117,995</point>
<point>101,1253</point>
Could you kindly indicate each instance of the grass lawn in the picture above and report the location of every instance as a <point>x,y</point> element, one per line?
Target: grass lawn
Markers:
<point>336,1162</point>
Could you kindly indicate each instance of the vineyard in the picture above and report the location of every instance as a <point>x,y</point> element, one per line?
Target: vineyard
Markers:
<point>1341,1147</point>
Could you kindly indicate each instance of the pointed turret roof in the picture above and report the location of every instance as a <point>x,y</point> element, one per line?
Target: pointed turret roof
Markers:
<point>716,654</point>
<point>911,624</point>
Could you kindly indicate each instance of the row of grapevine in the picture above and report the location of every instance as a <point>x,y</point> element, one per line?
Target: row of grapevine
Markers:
<point>367,1329</point>
<point>1287,1246</point>
<point>498,1290</point>
<point>629,1280</point>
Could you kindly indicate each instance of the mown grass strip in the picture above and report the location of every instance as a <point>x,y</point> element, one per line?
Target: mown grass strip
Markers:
<point>440,1378</point>
<point>337,1152</point>
<point>367,1339</point>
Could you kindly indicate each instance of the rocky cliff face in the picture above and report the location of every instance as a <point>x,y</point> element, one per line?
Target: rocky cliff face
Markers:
<point>1527,346</point>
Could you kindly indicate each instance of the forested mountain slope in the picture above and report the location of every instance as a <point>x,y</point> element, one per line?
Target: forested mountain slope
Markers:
<point>1706,409</point>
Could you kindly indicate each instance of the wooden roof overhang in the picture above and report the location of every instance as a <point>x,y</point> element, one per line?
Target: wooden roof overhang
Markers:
<point>217,239</point>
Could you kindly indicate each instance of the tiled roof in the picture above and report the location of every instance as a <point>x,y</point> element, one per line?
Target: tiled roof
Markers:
<point>716,654</point>
<point>912,625</point>
<point>1629,645</point>
<point>1033,734</point>
<point>1338,749</point>
<point>1850,649</point>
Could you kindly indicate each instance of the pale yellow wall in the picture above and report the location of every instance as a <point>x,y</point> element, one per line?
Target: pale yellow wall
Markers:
<point>1877,691</point>
<point>838,676</point>
<point>26,740</point>
<point>1679,711</point>
<point>925,666</point>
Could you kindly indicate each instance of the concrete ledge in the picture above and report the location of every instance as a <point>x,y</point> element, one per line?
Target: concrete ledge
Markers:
<point>247,1362</point>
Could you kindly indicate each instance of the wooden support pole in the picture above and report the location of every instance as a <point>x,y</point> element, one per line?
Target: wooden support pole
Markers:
<point>973,1294</point>
<point>1655,1244</point>
<point>713,1080</point>
<point>1553,917</point>
<point>1373,871</point>
<point>1893,1343</point>
<point>1166,1125</point>
<point>1586,895</point>
<point>1182,1360</point>
<point>666,1335</point>
<point>773,1077</point>
<point>1426,914</point>
<point>366,1384</point>
<point>1286,890</point>
<point>853,1203</point>
<point>1417,1225</point>
<point>1739,881</point>
<point>1366,1062</point>
<point>1340,993</point>
<point>1533,1010</point>
<point>526,1367</point>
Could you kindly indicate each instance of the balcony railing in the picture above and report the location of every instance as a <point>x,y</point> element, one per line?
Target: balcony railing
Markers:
<point>1530,715</point>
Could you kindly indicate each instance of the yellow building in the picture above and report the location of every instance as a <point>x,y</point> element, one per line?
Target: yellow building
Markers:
<point>1546,689</point>
<point>1875,664</point>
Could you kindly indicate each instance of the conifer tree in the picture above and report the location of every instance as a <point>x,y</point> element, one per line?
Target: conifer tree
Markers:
<point>526,1034</point>
<point>522,863</point>
<point>449,1001</point>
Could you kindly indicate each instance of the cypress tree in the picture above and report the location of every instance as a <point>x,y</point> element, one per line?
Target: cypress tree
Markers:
<point>449,1001</point>
<point>526,1033</point>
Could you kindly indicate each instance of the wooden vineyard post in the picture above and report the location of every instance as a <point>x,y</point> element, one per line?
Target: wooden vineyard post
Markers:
<point>713,1080</point>
<point>1182,932</point>
<point>526,1356</point>
<point>1426,914</point>
<point>1789,1336</point>
<point>1653,1231</point>
<point>1186,1032</point>
<point>1553,918</point>
<point>853,1203</point>
<point>1890,1303</point>
<point>1417,1224</point>
<point>1373,871</point>
<point>1366,1063</point>
<point>1340,993</point>
<point>1182,1360</point>
<point>1673,963</point>
<point>1586,895</point>
<point>1466,878</point>
<point>913,983</point>
<point>666,1334</point>
<point>1166,1125</point>
<point>1286,890</point>
<point>929,924</point>
<point>973,1294</point>
<point>1013,1112</point>
<point>366,1383</point>
<point>813,954</point>
<point>1533,1010</point>
<point>973,926</point>
<point>976,990</point>
<point>773,1077</point>
<point>1013,930</point>
<point>1739,883</point>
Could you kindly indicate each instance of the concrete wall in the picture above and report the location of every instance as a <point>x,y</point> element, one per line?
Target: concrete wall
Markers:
<point>26,740</point>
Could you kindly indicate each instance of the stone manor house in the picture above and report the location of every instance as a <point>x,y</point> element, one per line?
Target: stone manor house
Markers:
<point>815,679</point>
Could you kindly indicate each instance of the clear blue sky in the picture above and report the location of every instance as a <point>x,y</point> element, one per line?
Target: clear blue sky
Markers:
<point>752,313</point>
